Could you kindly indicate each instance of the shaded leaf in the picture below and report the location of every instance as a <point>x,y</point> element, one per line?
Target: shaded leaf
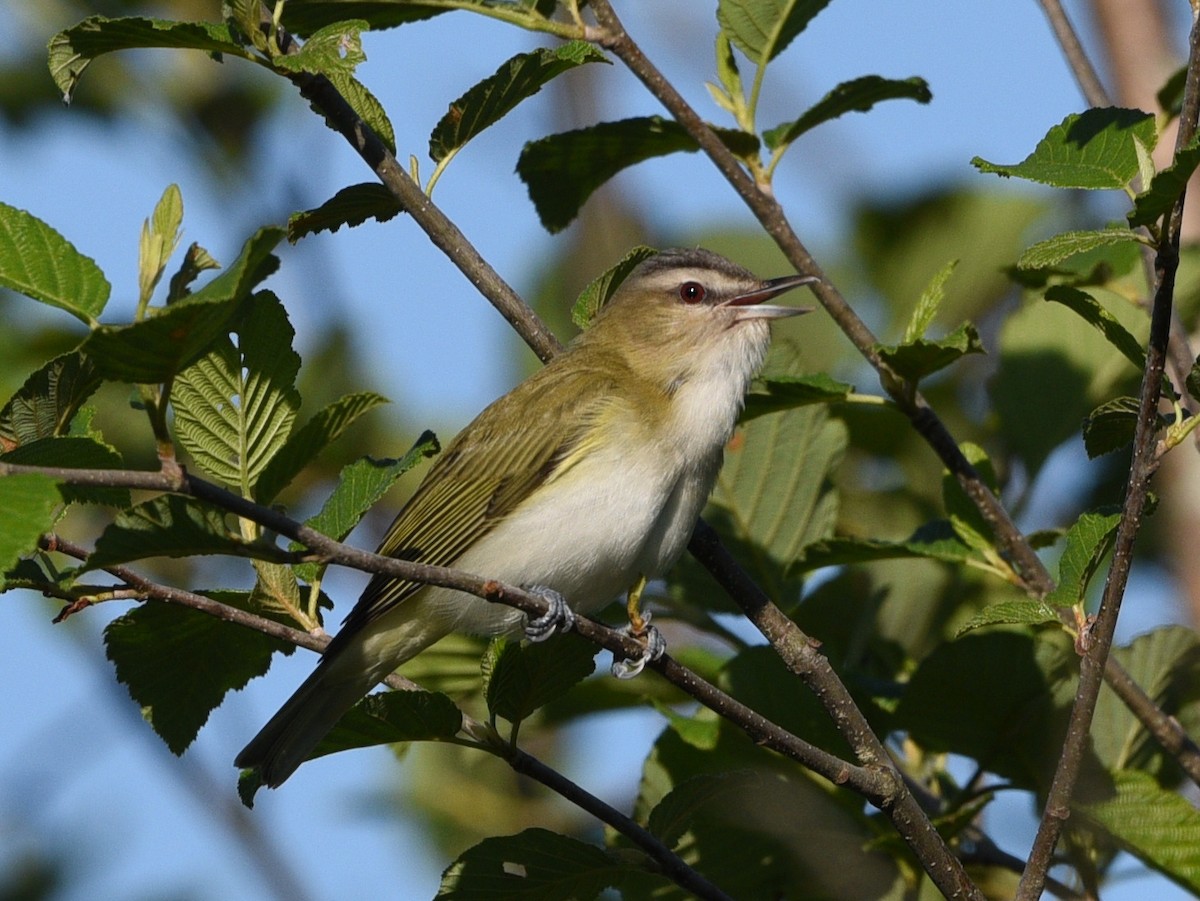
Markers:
<point>968,523</point>
<point>1095,315</point>
<point>37,261</point>
<point>172,526</point>
<point>919,358</point>
<point>1089,539</point>
<point>28,502</point>
<point>234,408</point>
<point>1111,426</point>
<point>561,171</point>
<point>1029,613</point>
<point>934,541</point>
<point>598,292</point>
<point>178,663</point>
<point>349,206</point>
<point>388,717</point>
<point>1166,186</point>
<point>304,17</point>
<point>1095,149</point>
<point>45,405</point>
<point>74,452</point>
<point>1053,251</point>
<point>762,29</point>
<point>525,676</point>
<point>533,864</point>
<point>856,95</point>
<point>786,392</point>
<point>365,105</point>
<point>488,102</point>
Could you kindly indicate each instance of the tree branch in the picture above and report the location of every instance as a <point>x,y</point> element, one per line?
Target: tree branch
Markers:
<point>1081,66</point>
<point>1097,640</point>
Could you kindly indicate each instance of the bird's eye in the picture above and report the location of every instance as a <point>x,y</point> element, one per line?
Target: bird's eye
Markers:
<point>691,292</point>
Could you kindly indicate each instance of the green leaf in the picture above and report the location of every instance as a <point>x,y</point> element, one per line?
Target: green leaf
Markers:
<point>1158,827</point>
<point>305,443</point>
<point>360,486</point>
<point>178,663</point>
<point>592,299</point>
<point>933,541</point>
<point>1111,426</point>
<point>534,864</point>
<point>1193,385</point>
<point>1029,613</point>
<point>1053,251</point>
<point>47,403</point>
<point>762,29</point>
<point>156,349</point>
<point>333,50</point>
<point>234,408</point>
<point>1088,541</point>
<point>1095,149</point>
<point>919,358</point>
<point>74,452</point>
<point>172,526</point>
<point>349,206</point>
<point>28,502</point>
<point>928,304</point>
<point>195,260</point>
<point>305,17</point>
<point>365,105</point>
<point>968,523</point>
<point>388,717</point>
<point>856,95</point>
<point>786,392</point>
<point>526,676</point>
<point>1166,186</point>
<point>35,260</point>
<point>561,171</point>
<point>160,236</point>
<point>488,102</point>
<point>71,51</point>
<point>1095,315</point>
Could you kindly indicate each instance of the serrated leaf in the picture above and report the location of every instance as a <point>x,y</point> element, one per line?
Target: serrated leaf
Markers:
<point>47,403</point>
<point>561,171</point>
<point>178,663</point>
<point>1159,827</point>
<point>1094,149</point>
<point>365,105</point>
<point>928,304</point>
<point>787,392</point>
<point>74,452</point>
<point>28,502</point>
<point>933,541</point>
<point>234,408</point>
<point>857,95</point>
<point>305,443</point>
<point>360,486</point>
<point>598,292</point>
<point>172,526</point>
<point>1089,539</point>
<point>1111,426</point>
<point>37,261</point>
<point>1053,251</point>
<point>534,864</point>
<point>160,236</point>
<point>672,817</point>
<point>762,29</point>
<point>924,356</point>
<point>490,100</point>
<point>333,50</point>
<point>71,51</point>
<point>1166,186</point>
<point>388,717</point>
<point>349,206</point>
<point>1095,315</point>
<point>1027,613</point>
<point>156,349</point>
<point>526,676</point>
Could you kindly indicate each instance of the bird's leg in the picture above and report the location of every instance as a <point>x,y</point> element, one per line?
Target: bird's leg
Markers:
<point>558,618</point>
<point>651,640</point>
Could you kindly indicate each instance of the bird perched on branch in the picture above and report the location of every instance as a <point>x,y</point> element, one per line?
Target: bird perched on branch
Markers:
<point>579,484</point>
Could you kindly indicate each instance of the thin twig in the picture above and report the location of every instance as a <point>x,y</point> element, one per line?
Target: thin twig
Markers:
<point>1081,66</point>
<point>1098,638</point>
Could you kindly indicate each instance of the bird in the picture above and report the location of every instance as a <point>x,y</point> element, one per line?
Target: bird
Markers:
<point>579,484</point>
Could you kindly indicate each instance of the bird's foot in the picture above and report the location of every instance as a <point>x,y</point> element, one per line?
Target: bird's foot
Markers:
<point>653,647</point>
<point>558,618</point>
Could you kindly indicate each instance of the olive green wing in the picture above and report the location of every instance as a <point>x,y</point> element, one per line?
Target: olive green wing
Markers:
<point>493,465</point>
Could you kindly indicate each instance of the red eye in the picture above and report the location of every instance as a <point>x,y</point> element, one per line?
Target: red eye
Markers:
<point>691,292</point>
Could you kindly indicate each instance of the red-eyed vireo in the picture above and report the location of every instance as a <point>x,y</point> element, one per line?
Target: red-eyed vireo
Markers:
<point>580,483</point>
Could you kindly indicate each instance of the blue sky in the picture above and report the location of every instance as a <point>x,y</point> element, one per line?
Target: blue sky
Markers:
<point>76,767</point>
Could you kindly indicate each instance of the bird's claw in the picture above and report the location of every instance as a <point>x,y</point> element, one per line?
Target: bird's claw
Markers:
<point>653,647</point>
<point>558,617</point>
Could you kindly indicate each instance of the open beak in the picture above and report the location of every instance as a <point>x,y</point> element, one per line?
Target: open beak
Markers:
<point>752,304</point>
